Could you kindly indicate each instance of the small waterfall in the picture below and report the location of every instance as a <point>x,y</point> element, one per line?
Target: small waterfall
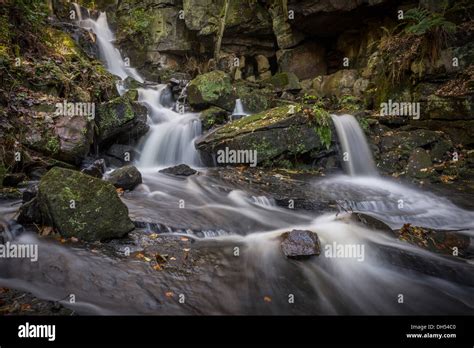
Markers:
<point>238,110</point>
<point>354,145</point>
<point>171,137</point>
<point>109,54</point>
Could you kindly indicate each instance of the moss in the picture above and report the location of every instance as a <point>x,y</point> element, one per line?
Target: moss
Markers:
<point>98,212</point>
<point>212,88</point>
<point>115,113</point>
<point>52,145</point>
<point>285,81</point>
<point>249,123</point>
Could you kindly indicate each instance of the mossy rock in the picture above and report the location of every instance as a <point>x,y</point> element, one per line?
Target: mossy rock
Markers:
<point>213,88</point>
<point>213,116</point>
<point>276,135</point>
<point>120,116</point>
<point>254,99</point>
<point>79,205</point>
<point>286,81</point>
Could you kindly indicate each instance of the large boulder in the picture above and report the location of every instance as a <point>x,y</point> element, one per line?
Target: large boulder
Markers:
<point>300,243</point>
<point>213,88</point>
<point>79,205</point>
<point>275,134</point>
<point>305,61</point>
<point>285,81</point>
<point>121,119</point>
<point>127,177</point>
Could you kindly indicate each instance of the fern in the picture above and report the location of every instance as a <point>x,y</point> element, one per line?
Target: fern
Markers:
<point>422,21</point>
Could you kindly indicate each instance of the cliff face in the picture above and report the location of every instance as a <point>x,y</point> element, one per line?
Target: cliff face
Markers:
<point>354,56</point>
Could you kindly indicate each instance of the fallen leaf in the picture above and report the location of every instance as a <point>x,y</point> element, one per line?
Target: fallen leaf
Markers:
<point>267,299</point>
<point>169,294</point>
<point>157,267</point>
<point>161,258</point>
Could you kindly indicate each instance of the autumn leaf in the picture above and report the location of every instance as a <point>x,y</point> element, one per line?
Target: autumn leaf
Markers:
<point>267,299</point>
<point>157,267</point>
<point>169,294</point>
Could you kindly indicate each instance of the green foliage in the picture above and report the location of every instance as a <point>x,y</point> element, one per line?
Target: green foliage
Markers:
<point>421,21</point>
<point>364,123</point>
<point>319,117</point>
<point>349,103</point>
<point>136,24</point>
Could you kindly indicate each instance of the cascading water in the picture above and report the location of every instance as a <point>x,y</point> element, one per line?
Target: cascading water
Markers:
<point>109,54</point>
<point>171,137</point>
<point>357,155</point>
<point>238,110</point>
<point>217,282</point>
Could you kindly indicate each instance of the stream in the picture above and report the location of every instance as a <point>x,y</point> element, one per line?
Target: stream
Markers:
<point>225,241</point>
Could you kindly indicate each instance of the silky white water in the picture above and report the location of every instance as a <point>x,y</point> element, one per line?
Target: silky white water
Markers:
<point>219,282</point>
<point>356,154</point>
<point>170,140</point>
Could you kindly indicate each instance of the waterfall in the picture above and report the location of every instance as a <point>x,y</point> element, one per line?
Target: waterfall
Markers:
<point>171,137</point>
<point>109,54</point>
<point>357,157</point>
<point>238,110</point>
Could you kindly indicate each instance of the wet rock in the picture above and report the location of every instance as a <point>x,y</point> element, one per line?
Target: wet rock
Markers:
<point>119,155</point>
<point>30,213</point>
<point>13,179</point>
<point>213,116</point>
<point>127,177</point>
<point>296,60</point>
<point>179,170</point>
<point>95,169</point>
<point>285,81</point>
<point>79,205</point>
<point>121,119</point>
<point>300,243</point>
<point>371,222</point>
<point>30,192</point>
<point>419,164</point>
<point>443,242</point>
<point>9,193</point>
